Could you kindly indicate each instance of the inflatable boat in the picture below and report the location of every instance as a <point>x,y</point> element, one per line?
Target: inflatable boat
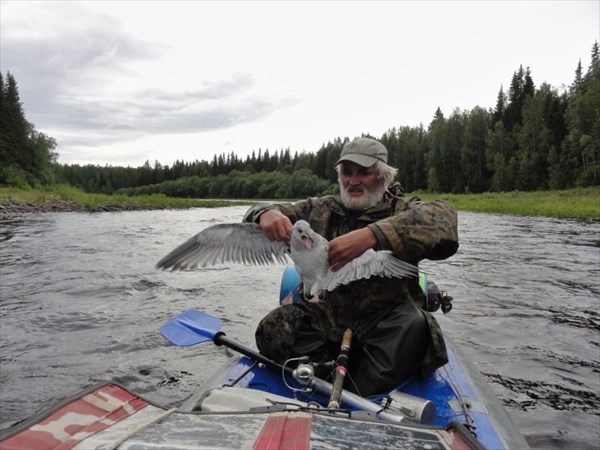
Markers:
<point>256,403</point>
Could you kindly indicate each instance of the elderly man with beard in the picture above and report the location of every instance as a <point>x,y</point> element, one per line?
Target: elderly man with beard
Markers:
<point>393,337</point>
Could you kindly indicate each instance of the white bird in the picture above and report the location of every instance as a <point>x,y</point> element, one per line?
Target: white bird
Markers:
<point>246,243</point>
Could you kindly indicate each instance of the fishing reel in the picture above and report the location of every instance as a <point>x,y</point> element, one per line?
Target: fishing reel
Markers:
<point>304,374</point>
<point>436,299</point>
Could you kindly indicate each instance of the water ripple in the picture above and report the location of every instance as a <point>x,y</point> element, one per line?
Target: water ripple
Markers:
<point>557,396</point>
<point>81,302</point>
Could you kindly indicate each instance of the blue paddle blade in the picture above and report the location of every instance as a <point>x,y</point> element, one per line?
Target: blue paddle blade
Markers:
<point>190,328</point>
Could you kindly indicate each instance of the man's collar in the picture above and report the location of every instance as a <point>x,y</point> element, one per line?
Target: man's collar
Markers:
<point>394,190</point>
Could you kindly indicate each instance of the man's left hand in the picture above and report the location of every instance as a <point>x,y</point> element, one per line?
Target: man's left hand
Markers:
<point>344,249</point>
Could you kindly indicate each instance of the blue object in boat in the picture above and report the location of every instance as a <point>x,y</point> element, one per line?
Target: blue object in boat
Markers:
<point>289,283</point>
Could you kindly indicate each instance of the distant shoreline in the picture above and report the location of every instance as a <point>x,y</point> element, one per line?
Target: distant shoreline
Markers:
<point>569,204</point>
<point>10,206</point>
<point>64,198</point>
<point>55,205</point>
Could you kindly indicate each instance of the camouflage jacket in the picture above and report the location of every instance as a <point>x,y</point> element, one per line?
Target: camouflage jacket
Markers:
<point>413,230</point>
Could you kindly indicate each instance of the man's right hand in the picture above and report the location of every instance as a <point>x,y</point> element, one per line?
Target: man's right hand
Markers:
<point>276,225</point>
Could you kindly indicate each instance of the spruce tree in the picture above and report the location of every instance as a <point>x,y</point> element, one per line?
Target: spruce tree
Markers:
<point>578,81</point>
<point>528,86</point>
<point>14,126</point>
<point>512,116</point>
<point>4,160</point>
<point>595,60</point>
<point>500,108</point>
<point>16,152</point>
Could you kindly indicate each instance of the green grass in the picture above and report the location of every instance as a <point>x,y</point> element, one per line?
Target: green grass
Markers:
<point>573,203</point>
<point>70,194</point>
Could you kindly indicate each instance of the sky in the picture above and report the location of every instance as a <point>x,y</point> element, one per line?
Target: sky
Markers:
<point>119,82</point>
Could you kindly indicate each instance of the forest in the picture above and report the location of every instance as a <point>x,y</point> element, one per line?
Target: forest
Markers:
<point>534,138</point>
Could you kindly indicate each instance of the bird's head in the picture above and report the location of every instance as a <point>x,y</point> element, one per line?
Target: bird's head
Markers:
<point>302,235</point>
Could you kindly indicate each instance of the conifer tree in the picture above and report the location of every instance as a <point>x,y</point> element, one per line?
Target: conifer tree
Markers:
<point>4,159</point>
<point>26,155</point>
<point>512,116</point>
<point>500,108</point>
<point>434,159</point>
<point>595,57</point>
<point>578,81</point>
<point>497,156</point>
<point>473,167</point>
<point>14,126</point>
<point>528,86</point>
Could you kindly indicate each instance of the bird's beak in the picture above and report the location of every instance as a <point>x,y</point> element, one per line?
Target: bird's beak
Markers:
<point>308,242</point>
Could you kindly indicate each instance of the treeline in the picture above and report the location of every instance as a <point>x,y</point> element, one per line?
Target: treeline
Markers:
<point>148,177</point>
<point>27,156</point>
<point>300,183</point>
<point>535,138</point>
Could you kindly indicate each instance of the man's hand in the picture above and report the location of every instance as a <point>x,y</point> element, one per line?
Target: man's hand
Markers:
<point>344,249</point>
<point>276,225</point>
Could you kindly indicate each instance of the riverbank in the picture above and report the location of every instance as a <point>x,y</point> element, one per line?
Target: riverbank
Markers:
<point>68,199</point>
<point>573,204</point>
<point>581,203</point>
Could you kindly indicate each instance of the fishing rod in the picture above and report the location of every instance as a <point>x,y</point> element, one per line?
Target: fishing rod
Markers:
<point>341,367</point>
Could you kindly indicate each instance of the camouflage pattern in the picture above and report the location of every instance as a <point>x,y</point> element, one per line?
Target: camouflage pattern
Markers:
<point>411,229</point>
<point>72,423</point>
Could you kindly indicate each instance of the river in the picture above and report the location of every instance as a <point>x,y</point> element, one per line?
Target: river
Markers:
<point>81,302</point>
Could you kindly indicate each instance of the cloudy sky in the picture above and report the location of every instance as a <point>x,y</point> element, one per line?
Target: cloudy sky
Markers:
<point>119,83</point>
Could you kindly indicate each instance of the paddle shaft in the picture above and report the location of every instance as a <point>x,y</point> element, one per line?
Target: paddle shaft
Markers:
<point>221,339</point>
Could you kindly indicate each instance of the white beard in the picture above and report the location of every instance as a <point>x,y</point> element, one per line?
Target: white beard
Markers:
<point>366,201</point>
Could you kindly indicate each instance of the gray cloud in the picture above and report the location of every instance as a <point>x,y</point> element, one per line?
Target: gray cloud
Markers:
<point>53,56</point>
<point>215,106</point>
<point>132,119</point>
<point>65,74</point>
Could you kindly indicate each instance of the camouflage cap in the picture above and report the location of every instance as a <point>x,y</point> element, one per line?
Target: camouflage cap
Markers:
<point>364,152</point>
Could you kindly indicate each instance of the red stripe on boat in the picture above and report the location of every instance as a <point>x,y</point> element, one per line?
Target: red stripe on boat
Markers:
<point>69,425</point>
<point>290,431</point>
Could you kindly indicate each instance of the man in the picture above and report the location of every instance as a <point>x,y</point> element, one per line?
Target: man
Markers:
<point>393,337</point>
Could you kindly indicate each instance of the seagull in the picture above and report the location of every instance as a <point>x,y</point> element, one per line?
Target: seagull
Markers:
<point>246,243</point>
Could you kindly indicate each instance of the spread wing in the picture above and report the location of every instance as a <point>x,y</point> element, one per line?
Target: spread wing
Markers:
<point>370,263</point>
<point>243,243</point>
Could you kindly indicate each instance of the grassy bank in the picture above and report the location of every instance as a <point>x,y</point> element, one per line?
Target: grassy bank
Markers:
<point>572,203</point>
<point>65,193</point>
<point>575,203</point>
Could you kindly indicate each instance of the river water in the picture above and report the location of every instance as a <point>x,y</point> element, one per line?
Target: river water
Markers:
<point>81,302</point>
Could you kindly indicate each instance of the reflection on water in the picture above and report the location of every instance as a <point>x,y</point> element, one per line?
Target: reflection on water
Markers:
<point>81,302</point>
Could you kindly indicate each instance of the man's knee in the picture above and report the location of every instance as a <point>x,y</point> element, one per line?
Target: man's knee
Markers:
<point>392,351</point>
<point>276,332</point>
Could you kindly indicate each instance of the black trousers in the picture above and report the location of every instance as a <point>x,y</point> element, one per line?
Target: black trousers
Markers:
<point>386,348</point>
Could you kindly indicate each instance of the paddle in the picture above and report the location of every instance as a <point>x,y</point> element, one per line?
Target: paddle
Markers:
<point>190,328</point>
<point>194,327</point>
